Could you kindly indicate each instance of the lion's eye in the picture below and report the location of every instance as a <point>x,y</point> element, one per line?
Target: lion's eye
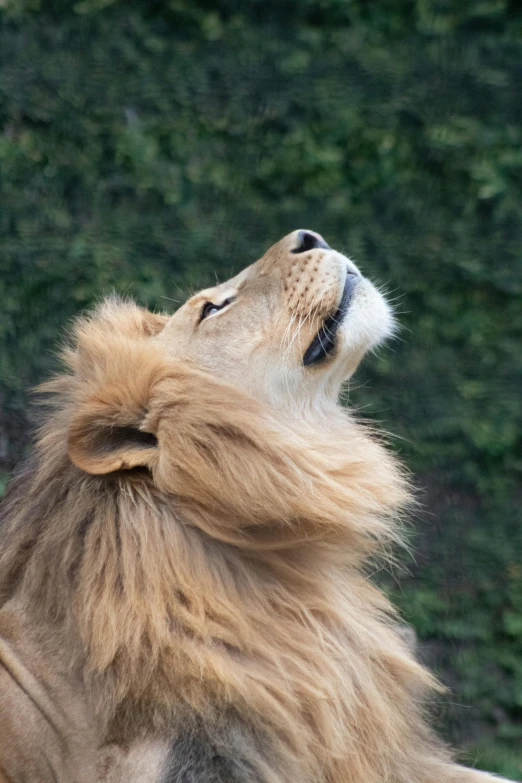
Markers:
<point>209,308</point>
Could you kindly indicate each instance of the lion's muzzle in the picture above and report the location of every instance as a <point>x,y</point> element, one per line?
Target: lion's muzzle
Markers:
<point>324,341</point>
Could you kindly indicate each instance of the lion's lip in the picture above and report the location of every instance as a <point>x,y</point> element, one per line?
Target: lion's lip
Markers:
<point>323,343</point>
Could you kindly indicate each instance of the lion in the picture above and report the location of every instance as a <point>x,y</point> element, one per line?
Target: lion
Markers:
<point>184,590</point>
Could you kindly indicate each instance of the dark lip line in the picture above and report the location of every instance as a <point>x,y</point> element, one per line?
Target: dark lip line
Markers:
<point>323,343</point>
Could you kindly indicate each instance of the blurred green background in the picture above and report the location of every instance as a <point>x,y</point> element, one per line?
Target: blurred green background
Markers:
<point>146,145</point>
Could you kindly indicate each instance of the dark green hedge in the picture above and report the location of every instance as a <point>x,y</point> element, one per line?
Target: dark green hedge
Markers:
<point>146,144</point>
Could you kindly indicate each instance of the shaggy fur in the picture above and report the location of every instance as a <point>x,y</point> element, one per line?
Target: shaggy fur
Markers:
<point>191,568</point>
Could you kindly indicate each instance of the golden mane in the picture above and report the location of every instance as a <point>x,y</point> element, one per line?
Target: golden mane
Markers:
<point>219,570</point>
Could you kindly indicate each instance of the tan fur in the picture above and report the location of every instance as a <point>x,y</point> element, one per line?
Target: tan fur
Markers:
<point>221,579</point>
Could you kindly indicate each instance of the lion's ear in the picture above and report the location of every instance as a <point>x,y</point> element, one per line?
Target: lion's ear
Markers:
<point>100,442</point>
<point>109,426</point>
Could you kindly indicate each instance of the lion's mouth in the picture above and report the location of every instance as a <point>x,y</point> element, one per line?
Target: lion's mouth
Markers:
<point>323,344</point>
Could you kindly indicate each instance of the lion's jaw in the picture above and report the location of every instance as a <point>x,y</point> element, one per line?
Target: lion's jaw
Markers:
<point>289,329</point>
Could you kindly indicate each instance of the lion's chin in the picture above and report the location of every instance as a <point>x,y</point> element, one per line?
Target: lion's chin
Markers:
<point>368,323</point>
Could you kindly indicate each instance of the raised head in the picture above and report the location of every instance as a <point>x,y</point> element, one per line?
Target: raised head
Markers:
<point>273,344</point>
<point>288,329</point>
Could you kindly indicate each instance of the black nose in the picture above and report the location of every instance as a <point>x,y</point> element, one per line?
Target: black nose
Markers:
<point>309,240</point>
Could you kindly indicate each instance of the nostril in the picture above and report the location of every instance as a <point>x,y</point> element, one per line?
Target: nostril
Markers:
<point>309,240</point>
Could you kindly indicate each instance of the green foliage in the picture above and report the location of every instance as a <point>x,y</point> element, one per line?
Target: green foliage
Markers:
<point>146,145</point>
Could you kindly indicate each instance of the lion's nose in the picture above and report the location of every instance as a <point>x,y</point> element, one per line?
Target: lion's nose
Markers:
<point>309,240</point>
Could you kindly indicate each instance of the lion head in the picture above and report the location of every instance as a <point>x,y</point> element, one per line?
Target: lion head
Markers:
<point>288,329</point>
<point>285,333</point>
